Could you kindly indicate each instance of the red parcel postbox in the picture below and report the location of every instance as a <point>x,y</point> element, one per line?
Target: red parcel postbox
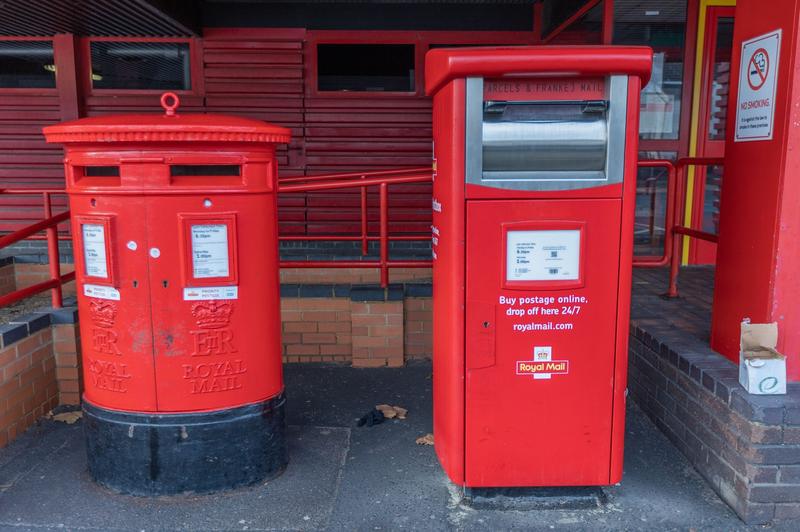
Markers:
<point>175,241</point>
<point>534,186</point>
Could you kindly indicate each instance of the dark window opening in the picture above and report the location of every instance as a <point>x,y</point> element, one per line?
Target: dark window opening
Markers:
<point>101,171</point>
<point>556,12</point>
<point>202,170</point>
<point>140,65</point>
<point>365,67</point>
<point>27,65</point>
<point>663,28</point>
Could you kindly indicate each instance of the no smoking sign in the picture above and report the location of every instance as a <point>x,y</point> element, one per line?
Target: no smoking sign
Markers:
<point>755,103</point>
<point>757,69</point>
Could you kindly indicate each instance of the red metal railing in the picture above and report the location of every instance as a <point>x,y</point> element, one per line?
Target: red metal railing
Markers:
<point>50,226</point>
<point>673,239</point>
<point>361,180</point>
<point>663,260</point>
<point>686,232</point>
<point>676,232</point>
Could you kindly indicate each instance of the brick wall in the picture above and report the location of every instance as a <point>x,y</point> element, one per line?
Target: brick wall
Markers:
<point>316,329</point>
<point>377,333</point>
<point>7,278</point>
<point>365,325</point>
<point>67,352</point>
<point>27,274</point>
<point>28,387</point>
<point>746,446</point>
<point>31,366</point>
<point>418,328</point>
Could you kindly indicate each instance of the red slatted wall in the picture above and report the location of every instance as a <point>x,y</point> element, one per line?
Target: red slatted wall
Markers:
<point>261,77</point>
<point>26,161</point>
<point>368,132</point>
<point>260,74</point>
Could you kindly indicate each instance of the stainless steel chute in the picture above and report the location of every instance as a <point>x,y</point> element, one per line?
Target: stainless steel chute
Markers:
<point>545,144</point>
<point>554,137</point>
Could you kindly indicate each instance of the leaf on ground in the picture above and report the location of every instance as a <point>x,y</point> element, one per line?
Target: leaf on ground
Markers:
<point>68,417</point>
<point>390,411</point>
<point>425,440</point>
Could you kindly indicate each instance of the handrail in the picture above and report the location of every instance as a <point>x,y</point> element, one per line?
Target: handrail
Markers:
<point>676,190</point>
<point>347,175</point>
<point>664,259</point>
<point>362,180</point>
<point>45,192</point>
<point>50,226</point>
<point>681,230</point>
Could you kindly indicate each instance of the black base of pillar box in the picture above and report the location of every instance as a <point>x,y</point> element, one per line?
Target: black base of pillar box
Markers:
<point>554,498</point>
<point>203,452</point>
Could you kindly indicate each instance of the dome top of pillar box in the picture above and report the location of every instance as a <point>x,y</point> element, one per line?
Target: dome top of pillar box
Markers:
<point>443,65</point>
<point>167,127</point>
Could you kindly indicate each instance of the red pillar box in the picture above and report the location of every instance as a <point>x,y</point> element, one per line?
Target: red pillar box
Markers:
<point>175,240</point>
<point>533,204</point>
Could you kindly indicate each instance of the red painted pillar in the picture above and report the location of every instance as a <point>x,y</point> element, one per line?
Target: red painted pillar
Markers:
<point>758,258</point>
<point>65,52</point>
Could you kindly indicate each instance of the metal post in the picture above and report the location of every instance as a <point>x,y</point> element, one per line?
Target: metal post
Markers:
<point>652,222</point>
<point>364,224</point>
<point>675,262</point>
<point>52,254</point>
<point>384,235</point>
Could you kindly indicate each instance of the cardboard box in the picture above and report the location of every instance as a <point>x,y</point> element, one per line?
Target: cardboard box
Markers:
<point>762,369</point>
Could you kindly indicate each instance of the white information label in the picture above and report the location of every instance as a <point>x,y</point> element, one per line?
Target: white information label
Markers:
<point>552,255</point>
<point>94,250</point>
<point>210,251</point>
<point>202,293</point>
<point>101,292</point>
<point>755,102</point>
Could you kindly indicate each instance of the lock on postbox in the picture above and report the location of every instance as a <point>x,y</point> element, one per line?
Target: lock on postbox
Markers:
<point>175,239</point>
<point>535,158</point>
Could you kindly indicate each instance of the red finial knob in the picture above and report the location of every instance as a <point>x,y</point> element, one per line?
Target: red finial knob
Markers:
<point>170,102</point>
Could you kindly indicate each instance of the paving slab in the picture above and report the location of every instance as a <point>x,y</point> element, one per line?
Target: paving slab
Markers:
<point>52,489</point>
<point>343,477</point>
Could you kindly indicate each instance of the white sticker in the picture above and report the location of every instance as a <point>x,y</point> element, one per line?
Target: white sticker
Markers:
<point>202,293</point>
<point>210,251</point>
<point>94,250</point>
<point>101,292</point>
<point>755,102</point>
<point>552,255</point>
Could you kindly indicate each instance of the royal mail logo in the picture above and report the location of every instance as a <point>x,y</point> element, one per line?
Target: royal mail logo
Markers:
<point>542,366</point>
<point>212,314</point>
<point>103,313</point>
<point>553,367</point>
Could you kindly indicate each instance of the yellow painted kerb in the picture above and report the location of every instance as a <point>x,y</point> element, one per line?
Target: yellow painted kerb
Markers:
<point>695,121</point>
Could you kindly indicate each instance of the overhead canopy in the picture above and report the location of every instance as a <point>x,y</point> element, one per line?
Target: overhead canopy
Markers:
<point>139,18</point>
